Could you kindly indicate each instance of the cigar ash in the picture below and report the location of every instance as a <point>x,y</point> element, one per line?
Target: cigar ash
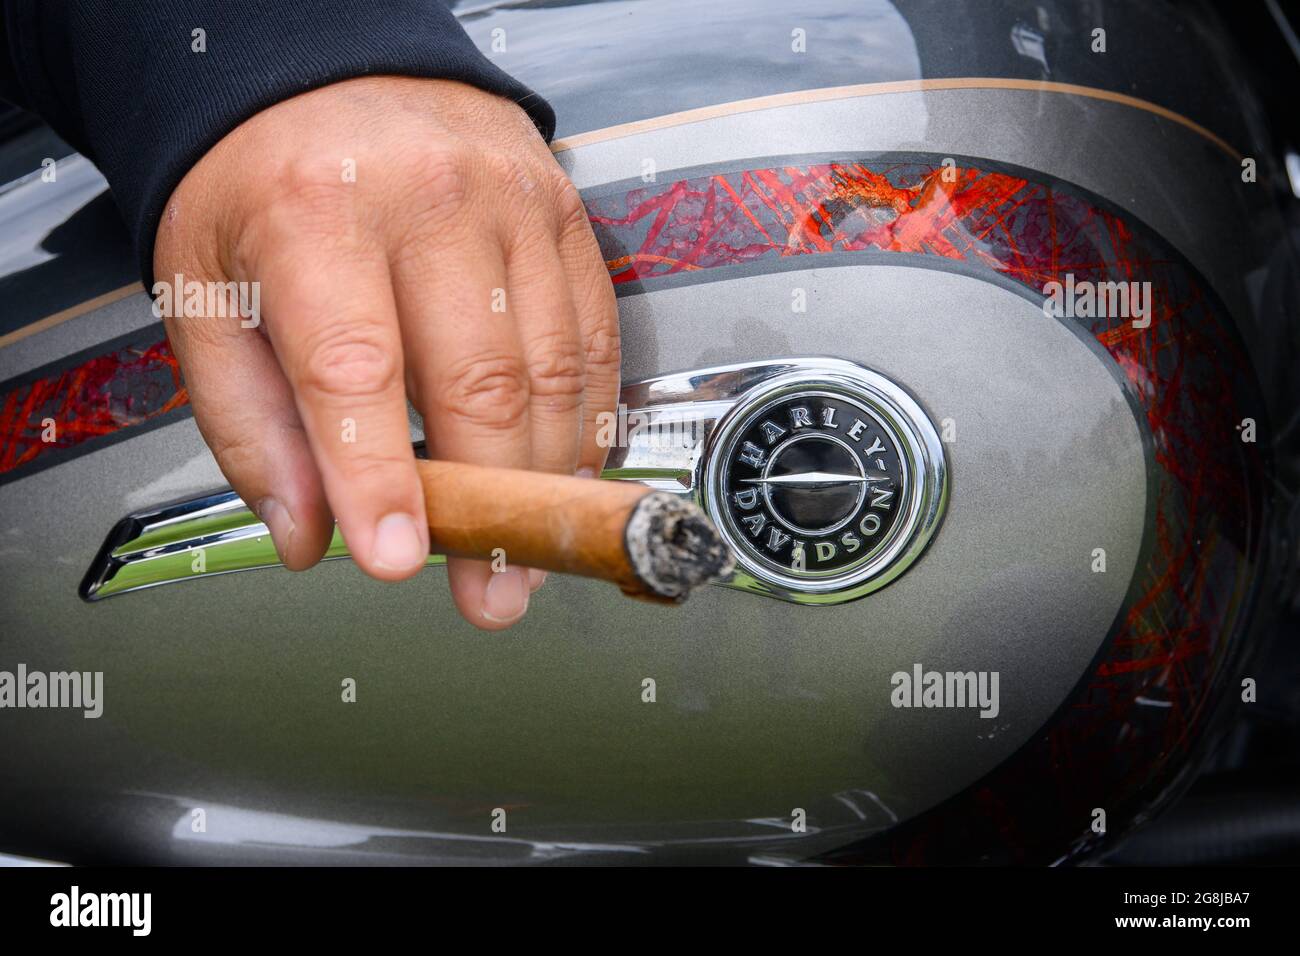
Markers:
<point>673,547</point>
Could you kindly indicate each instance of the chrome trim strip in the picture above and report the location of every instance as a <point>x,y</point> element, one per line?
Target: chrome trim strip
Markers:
<point>210,535</point>
<point>665,428</point>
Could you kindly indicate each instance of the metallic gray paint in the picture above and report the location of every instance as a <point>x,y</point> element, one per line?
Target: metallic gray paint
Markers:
<point>227,693</point>
<point>226,696</point>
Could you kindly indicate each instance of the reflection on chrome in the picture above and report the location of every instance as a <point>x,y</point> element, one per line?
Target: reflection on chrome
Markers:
<point>225,825</point>
<point>218,534</point>
<point>202,831</point>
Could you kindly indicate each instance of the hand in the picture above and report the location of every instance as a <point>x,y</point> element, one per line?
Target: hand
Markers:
<point>456,267</point>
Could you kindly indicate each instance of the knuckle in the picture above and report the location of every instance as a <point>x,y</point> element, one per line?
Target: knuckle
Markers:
<point>489,391</point>
<point>557,371</point>
<point>441,178</point>
<point>350,361</point>
<point>303,204</point>
<point>310,186</point>
<point>603,350</point>
<point>500,167</point>
<point>307,195</point>
<point>570,211</point>
<point>376,468</point>
<point>522,201</point>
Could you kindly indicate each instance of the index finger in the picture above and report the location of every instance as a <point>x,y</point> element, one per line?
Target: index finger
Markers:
<point>333,325</point>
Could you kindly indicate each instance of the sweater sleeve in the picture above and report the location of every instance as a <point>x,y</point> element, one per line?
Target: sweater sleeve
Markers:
<point>143,88</point>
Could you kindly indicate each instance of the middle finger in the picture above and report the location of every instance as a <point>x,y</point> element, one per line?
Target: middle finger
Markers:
<point>468,378</point>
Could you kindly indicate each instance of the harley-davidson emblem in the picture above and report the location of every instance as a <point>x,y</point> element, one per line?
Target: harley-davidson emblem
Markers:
<point>826,484</point>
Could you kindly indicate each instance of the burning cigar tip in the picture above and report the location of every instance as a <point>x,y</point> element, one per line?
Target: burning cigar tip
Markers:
<point>673,547</point>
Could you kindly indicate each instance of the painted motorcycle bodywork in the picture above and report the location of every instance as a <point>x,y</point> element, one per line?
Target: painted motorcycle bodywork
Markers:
<point>918,193</point>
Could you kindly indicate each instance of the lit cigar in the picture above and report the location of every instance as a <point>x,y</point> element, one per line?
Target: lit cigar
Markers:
<point>650,543</point>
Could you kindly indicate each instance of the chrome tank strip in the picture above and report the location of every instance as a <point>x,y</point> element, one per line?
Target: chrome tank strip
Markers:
<point>664,438</point>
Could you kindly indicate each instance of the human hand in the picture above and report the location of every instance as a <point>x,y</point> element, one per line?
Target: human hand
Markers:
<point>456,267</point>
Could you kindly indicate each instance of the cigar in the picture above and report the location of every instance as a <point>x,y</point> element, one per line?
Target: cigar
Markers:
<point>652,544</point>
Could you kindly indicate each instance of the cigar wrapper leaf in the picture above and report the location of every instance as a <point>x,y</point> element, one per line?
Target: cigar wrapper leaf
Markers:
<point>652,544</point>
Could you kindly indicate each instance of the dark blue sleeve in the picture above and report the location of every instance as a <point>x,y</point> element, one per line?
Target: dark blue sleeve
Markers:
<point>122,82</point>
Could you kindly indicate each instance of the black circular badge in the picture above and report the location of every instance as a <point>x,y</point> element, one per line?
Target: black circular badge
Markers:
<point>813,484</point>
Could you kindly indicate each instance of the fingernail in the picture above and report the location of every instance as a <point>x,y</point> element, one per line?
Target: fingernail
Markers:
<point>586,472</point>
<point>506,597</point>
<point>398,546</point>
<point>279,522</point>
<point>535,579</point>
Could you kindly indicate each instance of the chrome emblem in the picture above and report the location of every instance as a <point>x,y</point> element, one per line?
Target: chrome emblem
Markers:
<point>827,479</point>
<point>827,482</point>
